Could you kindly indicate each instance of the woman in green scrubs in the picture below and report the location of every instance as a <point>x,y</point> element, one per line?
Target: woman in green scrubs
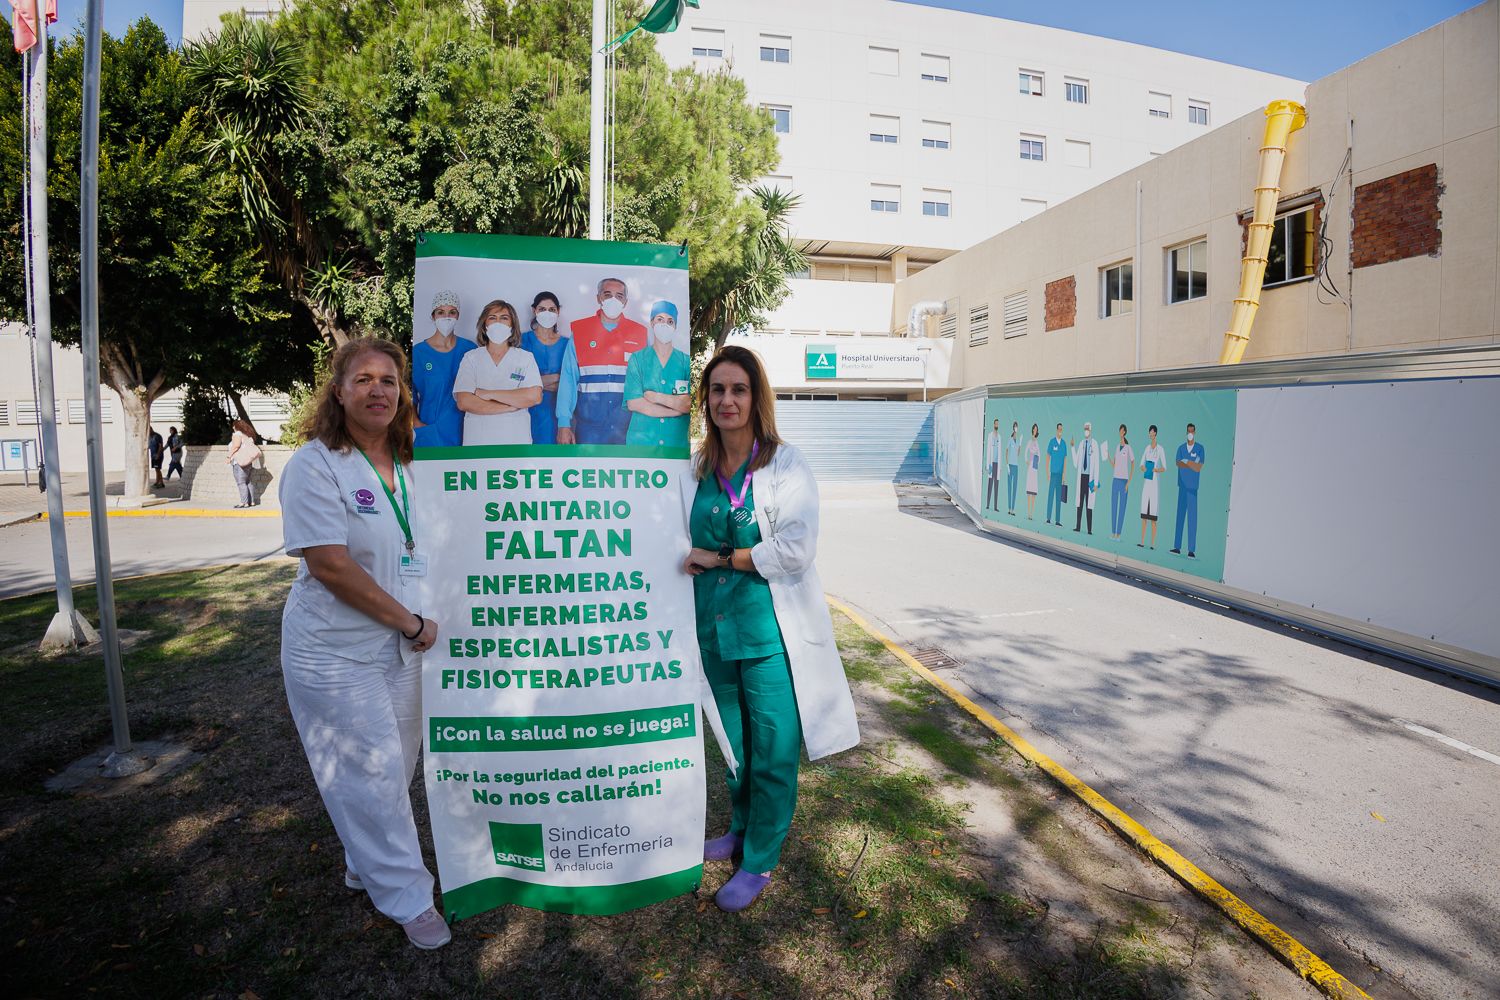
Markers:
<point>763,627</point>
<point>657,380</point>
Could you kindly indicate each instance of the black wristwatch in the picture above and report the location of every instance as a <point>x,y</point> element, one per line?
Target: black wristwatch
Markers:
<point>726,553</point>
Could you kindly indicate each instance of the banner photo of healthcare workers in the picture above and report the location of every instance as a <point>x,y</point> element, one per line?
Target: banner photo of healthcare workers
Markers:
<point>564,755</point>
<point>527,340</point>
<point>1143,475</point>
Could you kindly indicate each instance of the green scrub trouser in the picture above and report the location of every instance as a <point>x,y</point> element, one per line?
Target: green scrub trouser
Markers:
<point>759,709</point>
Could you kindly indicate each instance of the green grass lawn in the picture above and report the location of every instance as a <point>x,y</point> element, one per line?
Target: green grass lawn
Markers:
<point>224,880</point>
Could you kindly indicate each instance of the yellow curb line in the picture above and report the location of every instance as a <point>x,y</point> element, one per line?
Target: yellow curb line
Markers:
<point>181,512</point>
<point>1283,945</point>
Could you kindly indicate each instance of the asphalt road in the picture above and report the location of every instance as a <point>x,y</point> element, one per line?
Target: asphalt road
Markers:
<point>1271,758</point>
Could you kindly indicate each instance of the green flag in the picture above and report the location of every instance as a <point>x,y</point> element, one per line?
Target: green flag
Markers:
<point>664,16</point>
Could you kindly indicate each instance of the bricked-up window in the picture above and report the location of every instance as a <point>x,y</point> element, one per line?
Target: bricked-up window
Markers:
<point>1116,290</point>
<point>886,62</point>
<point>1187,272</point>
<point>1015,315</point>
<point>1398,217</point>
<point>1293,253</point>
<point>1062,304</point>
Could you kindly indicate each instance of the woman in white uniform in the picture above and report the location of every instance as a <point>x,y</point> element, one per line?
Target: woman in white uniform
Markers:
<point>1033,462</point>
<point>352,635</point>
<point>496,386</point>
<point>1153,462</point>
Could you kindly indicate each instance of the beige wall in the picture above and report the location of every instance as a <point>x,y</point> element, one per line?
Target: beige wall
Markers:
<point>1433,98</point>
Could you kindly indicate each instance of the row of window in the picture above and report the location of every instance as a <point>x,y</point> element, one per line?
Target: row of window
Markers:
<point>1290,259</point>
<point>708,43</point>
<point>25,412</point>
<point>886,130</point>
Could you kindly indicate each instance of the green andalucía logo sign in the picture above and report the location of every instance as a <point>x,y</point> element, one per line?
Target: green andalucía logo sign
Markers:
<point>518,845</point>
<point>822,361</point>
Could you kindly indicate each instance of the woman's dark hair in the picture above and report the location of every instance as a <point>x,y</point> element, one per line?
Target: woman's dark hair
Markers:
<point>545,297</point>
<point>1036,431</point>
<point>1153,429</point>
<point>1123,432</point>
<point>762,411</point>
<point>326,421</point>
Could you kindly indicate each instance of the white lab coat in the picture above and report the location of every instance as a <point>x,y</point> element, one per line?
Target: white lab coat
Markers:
<point>786,511</point>
<point>1092,492</point>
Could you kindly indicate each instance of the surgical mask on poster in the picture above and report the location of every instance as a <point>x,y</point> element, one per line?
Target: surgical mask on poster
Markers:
<point>546,318</point>
<point>445,324</point>
<point>612,308</point>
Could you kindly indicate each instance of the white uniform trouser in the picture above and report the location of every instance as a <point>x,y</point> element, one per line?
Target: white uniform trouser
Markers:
<point>361,727</point>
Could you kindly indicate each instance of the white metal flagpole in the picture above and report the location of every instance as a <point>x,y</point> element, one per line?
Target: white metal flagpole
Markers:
<point>68,629</point>
<point>597,82</point>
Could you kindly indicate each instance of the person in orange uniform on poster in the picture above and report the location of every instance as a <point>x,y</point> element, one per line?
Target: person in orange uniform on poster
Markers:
<point>591,392</point>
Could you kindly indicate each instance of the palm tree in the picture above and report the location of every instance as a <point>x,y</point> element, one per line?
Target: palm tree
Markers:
<point>769,261</point>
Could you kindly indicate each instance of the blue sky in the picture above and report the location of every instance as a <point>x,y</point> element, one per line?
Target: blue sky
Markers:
<point>1304,39</point>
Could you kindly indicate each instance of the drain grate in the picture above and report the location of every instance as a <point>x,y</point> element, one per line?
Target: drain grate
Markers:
<point>933,658</point>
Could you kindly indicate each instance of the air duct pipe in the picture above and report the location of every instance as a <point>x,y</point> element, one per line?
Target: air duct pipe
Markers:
<point>916,320</point>
<point>1282,119</point>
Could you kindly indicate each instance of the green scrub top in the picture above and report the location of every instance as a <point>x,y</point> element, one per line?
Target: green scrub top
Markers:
<point>736,619</point>
<point>646,371</point>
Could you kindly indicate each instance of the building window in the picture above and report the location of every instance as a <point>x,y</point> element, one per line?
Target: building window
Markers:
<point>936,135</point>
<point>1032,207</point>
<point>886,62</point>
<point>1076,91</point>
<point>937,203</point>
<point>781,118</point>
<point>885,128</point>
<point>1116,290</point>
<point>934,68</point>
<point>4,411</point>
<point>885,198</point>
<point>708,43</point>
<point>1292,257</point>
<point>1033,147</point>
<point>775,48</point>
<point>1187,271</point>
<point>1031,83</point>
<point>948,322</point>
<point>1197,113</point>
<point>1077,154</point>
<point>1159,105</point>
<point>1015,315</point>
<point>979,325</point>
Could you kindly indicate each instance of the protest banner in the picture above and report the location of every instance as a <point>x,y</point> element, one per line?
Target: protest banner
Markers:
<point>564,753</point>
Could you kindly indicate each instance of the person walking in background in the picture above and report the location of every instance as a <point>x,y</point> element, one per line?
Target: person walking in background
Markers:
<point>352,631</point>
<point>657,384</point>
<point>591,392</point>
<point>1033,462</point>
<point>174,450</point>
<point>1057,460</point>
<point>1190,456</point>
<point>434,365</point>
<point>750,506</point>
<point>1153,461</point>
<point>154,451</point>
<point>549,348</point>
<point>1119,497</point>
<point>992,466</point>
<point>243,451</point>
<point>1012,467</point>
<point>1086,461</point>
<point>497,385</point>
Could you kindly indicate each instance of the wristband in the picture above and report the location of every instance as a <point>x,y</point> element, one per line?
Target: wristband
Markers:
<point>421,624</point>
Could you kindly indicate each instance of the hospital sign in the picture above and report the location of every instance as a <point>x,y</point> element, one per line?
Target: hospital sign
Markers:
<point>863,360</point>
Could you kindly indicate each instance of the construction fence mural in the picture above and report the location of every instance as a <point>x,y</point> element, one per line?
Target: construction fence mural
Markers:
<point>1143,474</point>
<point>564,755</point>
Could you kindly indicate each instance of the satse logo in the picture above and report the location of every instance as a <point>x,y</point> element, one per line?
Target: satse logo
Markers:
<point>364,502</point>
<point>518,845</point>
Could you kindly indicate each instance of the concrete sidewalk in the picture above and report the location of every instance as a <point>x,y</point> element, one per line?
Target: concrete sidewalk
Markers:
<point>20,503</point>
<point>1281,763</point>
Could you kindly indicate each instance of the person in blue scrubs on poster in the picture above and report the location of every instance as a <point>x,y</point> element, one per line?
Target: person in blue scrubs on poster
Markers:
<point>549,347</point>
<point>434,364</point>
<point>1012,465</point>
<point>1190,456</point>
<point>1057,459</point>
<point>657,384</point>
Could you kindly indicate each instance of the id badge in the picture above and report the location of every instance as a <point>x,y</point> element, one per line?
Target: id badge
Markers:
<point>680,387</point>
<point>413,564</point>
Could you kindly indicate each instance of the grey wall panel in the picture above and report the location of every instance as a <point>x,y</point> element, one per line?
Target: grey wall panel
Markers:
<point>859,440</point>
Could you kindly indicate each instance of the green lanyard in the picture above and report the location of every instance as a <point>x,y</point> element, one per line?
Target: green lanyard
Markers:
<point>400,511</point>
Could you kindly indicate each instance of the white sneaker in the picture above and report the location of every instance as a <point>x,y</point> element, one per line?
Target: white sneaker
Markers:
<point>429,931</point>
<point>353,881</point>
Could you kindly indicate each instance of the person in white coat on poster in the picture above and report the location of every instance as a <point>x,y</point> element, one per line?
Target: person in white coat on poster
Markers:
<point>1086,461</point>
<point>351,633</point>
<point>750,506</point>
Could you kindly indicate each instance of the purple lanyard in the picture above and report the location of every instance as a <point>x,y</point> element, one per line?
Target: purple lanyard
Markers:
<point>737,500</point>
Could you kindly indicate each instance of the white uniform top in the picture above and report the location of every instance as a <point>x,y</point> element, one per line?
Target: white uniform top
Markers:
<point>1124,457</point>
<point>1155,454</point>
<point>516,370</point>
<point>333,498</point>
